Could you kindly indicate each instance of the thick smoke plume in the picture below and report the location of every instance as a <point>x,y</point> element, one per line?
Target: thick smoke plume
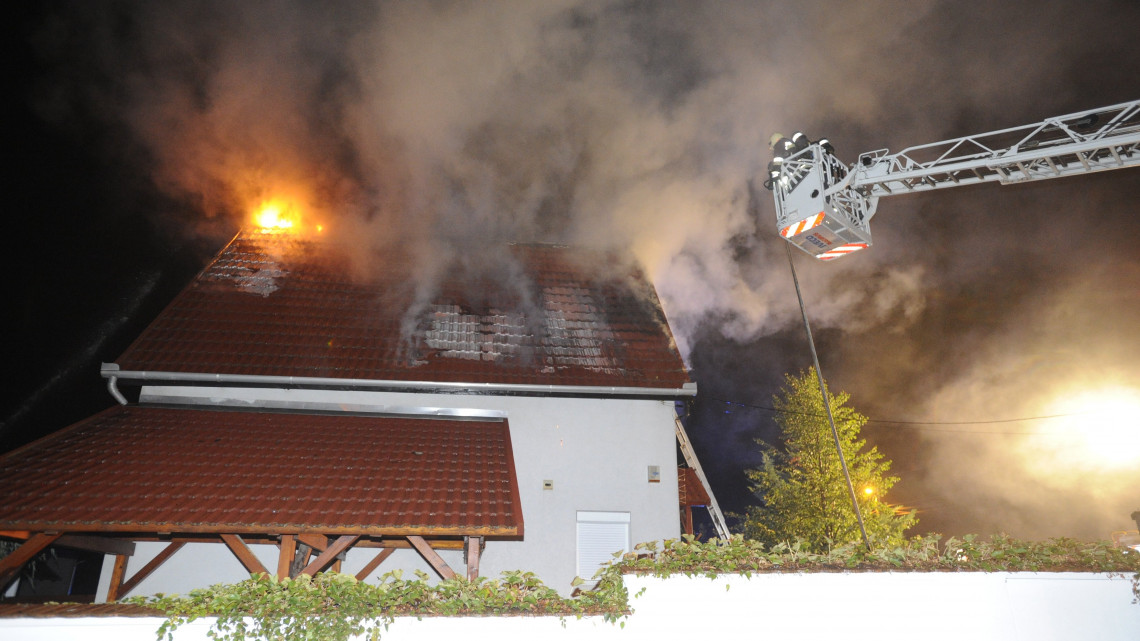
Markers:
<point>446,128</point>
<point>450,127</point>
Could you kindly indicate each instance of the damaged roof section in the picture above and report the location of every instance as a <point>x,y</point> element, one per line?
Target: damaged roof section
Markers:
<point>158,469</point>
<point>278,306</point>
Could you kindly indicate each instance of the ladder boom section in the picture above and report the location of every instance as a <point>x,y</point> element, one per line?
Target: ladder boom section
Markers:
<point>1083,142</point>
<point>825,207</point>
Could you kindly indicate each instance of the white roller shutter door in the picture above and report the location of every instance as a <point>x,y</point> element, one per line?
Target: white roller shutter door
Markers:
<point>600,535</point>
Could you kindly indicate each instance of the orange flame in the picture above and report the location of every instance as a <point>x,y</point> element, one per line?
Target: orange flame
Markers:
<point>275,217</point>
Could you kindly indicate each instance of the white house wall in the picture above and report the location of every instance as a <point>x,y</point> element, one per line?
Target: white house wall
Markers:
<point>597,452</point>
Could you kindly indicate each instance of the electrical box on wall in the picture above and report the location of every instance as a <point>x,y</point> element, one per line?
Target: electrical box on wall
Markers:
<point>548,484</point>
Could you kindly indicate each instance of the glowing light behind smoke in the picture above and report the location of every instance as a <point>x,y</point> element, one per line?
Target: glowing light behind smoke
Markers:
<point>1103,430</point>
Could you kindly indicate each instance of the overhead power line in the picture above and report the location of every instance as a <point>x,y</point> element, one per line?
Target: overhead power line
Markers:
<point>918,424</point>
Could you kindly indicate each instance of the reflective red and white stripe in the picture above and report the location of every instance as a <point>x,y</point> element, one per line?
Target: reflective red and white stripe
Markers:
<point>802,226</point>
<point>842,250</point>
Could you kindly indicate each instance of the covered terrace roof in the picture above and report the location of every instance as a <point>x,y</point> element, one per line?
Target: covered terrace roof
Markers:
<point>157,469</point>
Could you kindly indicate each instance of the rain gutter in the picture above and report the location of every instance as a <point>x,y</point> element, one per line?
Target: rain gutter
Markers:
<point>112,372</point>
<point>113,387</point>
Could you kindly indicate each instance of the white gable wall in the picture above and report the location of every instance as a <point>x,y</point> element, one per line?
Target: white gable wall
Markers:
<point>597,452</point>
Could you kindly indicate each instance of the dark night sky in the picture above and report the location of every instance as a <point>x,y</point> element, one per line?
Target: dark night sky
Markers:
<point>143,132</point>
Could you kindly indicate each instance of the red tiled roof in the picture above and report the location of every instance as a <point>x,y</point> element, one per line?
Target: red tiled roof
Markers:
<point>275,306</point>
<point>157,469</point>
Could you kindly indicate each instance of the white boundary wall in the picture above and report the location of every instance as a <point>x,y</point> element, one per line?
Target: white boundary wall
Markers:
<point>851,606</point>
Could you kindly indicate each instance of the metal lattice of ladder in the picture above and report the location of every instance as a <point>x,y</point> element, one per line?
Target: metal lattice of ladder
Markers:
<point>691,460</point>
<point>825,208</point>
<point>1084,142</point>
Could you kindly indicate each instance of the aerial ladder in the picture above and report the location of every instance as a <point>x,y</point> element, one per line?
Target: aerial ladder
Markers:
<point>824,207</point>
<point>691,459</point>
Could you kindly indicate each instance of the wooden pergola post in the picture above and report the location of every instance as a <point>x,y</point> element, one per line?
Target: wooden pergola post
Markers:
<point>687,519</point>
<point>115,590</point>
<point>288,547</point>
<point>472,551</point>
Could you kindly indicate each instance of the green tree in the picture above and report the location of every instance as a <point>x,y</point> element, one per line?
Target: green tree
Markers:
<point>801,488</point>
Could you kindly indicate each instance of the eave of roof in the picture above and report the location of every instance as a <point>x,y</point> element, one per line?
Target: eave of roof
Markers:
<point>111,371</point>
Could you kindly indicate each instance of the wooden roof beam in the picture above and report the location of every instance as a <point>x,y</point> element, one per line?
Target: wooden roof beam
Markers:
<point>273,539</point>
<point>102,544</point>
<point>318,542</point>
<point>330,553</point>
<point>126,586</point>
<point>244,554</point>
<point>374,563</point>
<point>11,564</point>
<point>432,557</point>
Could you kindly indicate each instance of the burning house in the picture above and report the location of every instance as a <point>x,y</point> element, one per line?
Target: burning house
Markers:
<point>293,415</point>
